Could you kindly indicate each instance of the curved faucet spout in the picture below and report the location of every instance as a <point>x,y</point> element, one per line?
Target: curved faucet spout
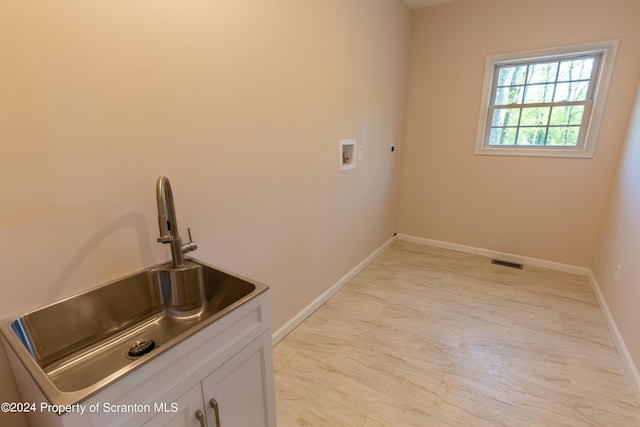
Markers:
<point>166,211</point>
<point>168,223</point>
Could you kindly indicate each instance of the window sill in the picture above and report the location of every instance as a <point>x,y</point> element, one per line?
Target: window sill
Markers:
<point>536,152</point>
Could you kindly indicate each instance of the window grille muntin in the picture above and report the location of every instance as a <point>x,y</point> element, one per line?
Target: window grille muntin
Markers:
<point>593,112</point>
<point>535,92</point>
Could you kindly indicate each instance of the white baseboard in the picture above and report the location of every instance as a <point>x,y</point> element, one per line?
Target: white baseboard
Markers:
<point>621,346</point>
<point>504,256</point>
<point>324,297</point>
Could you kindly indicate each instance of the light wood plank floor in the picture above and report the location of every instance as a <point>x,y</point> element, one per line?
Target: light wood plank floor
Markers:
<point>430,337</point>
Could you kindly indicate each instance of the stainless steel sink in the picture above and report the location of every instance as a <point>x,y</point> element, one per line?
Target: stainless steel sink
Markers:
<point>77,346</point>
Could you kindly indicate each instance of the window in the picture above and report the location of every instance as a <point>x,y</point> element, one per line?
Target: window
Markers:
<point>545,103</point>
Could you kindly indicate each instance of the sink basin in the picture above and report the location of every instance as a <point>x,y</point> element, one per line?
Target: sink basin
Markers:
<point>77,346</point>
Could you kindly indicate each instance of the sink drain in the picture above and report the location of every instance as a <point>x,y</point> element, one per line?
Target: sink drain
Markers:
<point>140,348</point>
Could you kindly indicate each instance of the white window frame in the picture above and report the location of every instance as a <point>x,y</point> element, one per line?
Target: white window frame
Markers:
<point>591,122</point>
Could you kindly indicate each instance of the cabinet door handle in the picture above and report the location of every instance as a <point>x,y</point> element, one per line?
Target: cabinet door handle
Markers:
<point>216,411</point>
<point>200,417</point>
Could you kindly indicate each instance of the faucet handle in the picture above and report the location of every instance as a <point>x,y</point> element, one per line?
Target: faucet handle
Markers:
<point>191,246</point>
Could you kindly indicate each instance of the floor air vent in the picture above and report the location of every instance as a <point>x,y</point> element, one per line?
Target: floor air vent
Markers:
<point>506,264</point>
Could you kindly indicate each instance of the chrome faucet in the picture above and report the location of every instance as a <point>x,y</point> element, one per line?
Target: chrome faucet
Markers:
<point>169,225</point>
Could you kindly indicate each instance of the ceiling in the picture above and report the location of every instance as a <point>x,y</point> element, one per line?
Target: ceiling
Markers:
<point>419,4</point>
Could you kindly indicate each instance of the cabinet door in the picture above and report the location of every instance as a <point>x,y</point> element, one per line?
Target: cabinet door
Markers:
<point>243,388</point>
<point>185,408</point>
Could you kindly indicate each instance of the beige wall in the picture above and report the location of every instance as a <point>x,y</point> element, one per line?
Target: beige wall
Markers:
<point>544,208</point>
<point>240,103</point>
<point>619,243</point>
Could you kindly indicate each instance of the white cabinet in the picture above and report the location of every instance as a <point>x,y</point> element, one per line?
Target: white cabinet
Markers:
<point>188,405</point>
<point>229,361</point>
<point>242,383</point>
<point>238,393</point>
